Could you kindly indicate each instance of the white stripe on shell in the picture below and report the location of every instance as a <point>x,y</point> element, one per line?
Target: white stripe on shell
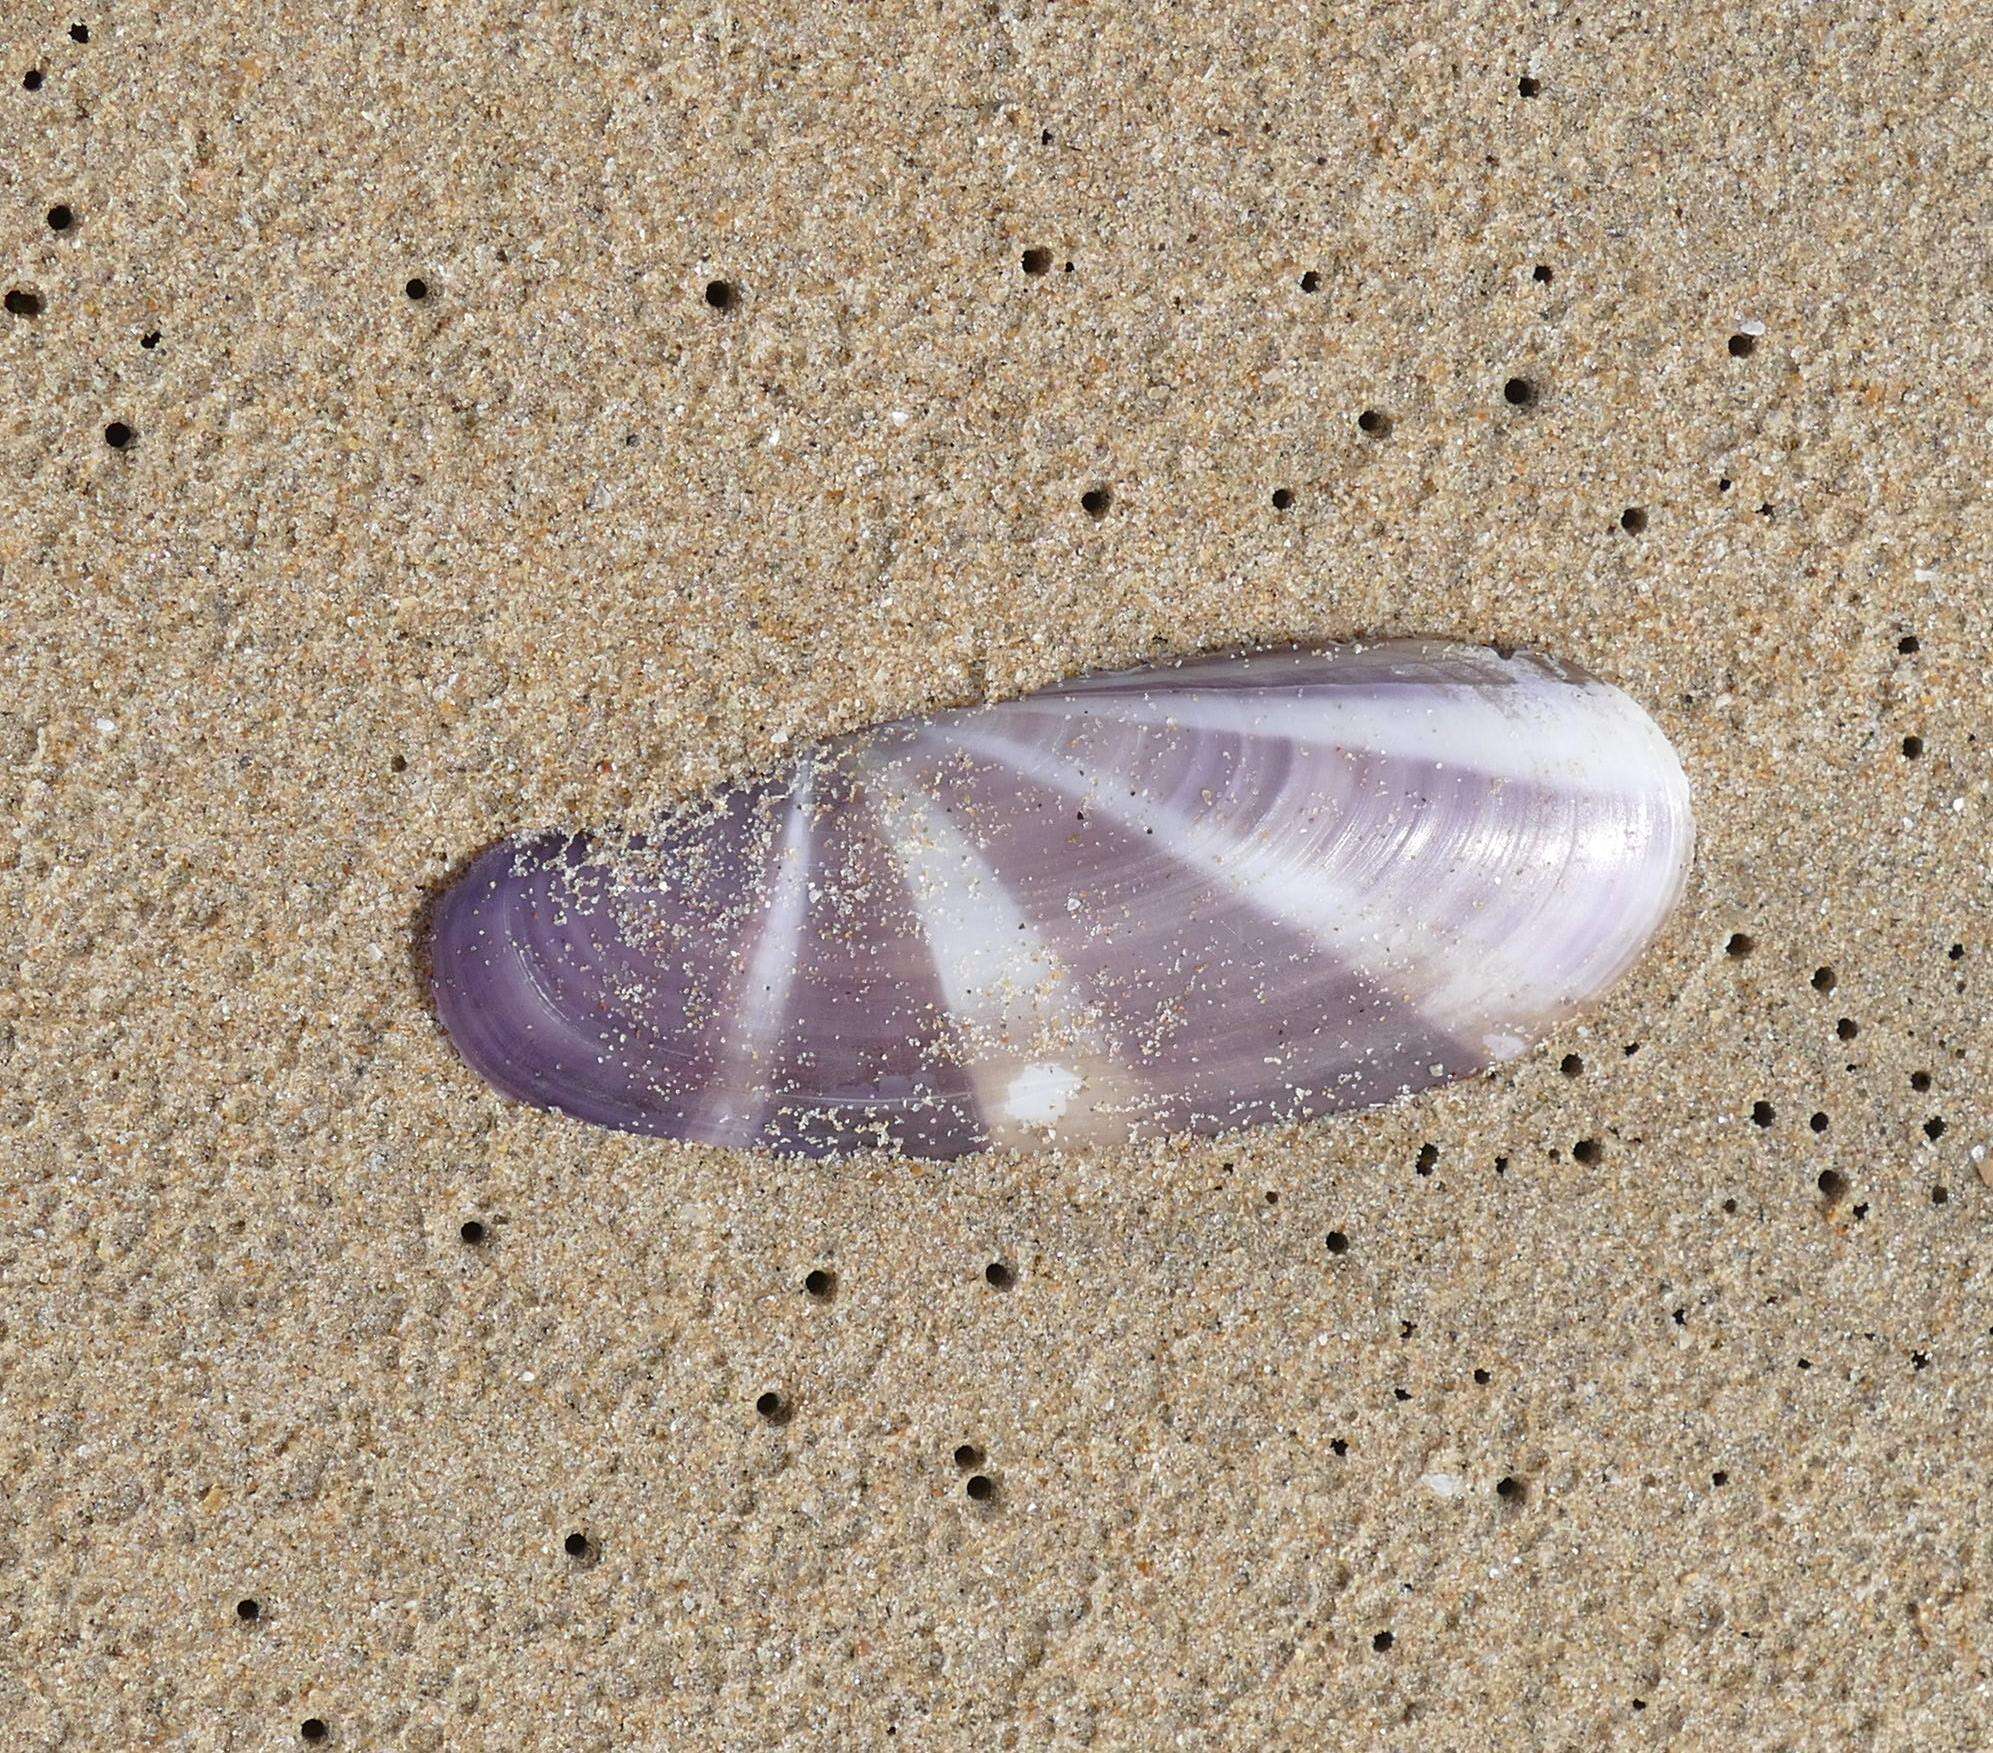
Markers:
<point>1031,1048</point>
<point>1471,988</point>
<point>1574,738</point>
<point>761,1008</point>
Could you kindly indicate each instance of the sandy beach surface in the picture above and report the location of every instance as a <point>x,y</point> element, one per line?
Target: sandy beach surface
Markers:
<point>423,423</point>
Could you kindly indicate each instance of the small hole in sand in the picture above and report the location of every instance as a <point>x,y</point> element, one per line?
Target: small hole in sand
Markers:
<point>60,218</point>
<point>1819,1122</point>
<point>149,340</point>
<point>1037,261</point>
<point>313,1729</point>
<point>1913,746</point>
<point>1541,273</point>
<point>1373,422</point>
<point>1311,281</point>
<point>1763,1113</point>
<point>820,1284</point>
<point>1633,520</point>
<point>1739,944</point>
<point>1481,1378</point>
<point>773,1407</point>
<point>472,1232</point>
<point>1920,1080</point>
<point>1571,1065</point>
<point>1833,1185</point>
<point>23,303</point>
<point>1337,1242</point>
<point>1825,980</point>
<point>1283,497</point>
<point>1934,1128</point>
<point>1095,501</point>
<point>980,1487</point>
<point>1847,1028</point>
<point>79,33</point>
<point>1907,644</point>
<point>32,79</point>
<point>417,288</point>
<point>118,435</point>
<point>1382,1641</point>
<point>1940,1195</point>
<point>1586,1150</point>
<point>578,1546</point>
<point>1719,1477</point>
<point>1519,392</point>
<point>248,1610</point>
<point>967,1455</point>
<point>999,1276</point>
<point>397,763</point>
<point>722,295</point>
<point>1511,1488</point>
<point>1743,346</point>
<point>1528,87</point>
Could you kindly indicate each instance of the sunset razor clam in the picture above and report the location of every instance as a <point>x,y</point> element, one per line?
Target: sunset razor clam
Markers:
<point>1183,898</point>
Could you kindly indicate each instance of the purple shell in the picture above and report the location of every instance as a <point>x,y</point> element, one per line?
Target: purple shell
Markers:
<point>1184,898</point>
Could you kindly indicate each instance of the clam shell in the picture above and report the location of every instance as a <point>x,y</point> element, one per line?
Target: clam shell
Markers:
<point>1184,898</point>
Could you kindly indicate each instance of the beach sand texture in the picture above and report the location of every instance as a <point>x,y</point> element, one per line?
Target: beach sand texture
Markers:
<point>423,424</point>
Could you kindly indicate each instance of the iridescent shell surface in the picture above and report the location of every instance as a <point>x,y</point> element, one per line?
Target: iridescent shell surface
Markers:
<point>1183,898</point>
